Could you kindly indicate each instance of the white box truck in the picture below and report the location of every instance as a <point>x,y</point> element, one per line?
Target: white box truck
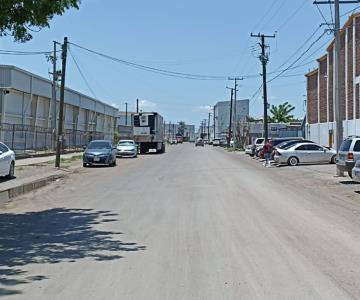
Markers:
<point>148,131</point>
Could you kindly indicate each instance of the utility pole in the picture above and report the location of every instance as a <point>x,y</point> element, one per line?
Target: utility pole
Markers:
<point>235,117</point>
<point>338,108</point>
<point>54,83</point>
<point>137,105</point>
<point>126,113</point>
<point>61,109</point>
<point>209,127</point>
<point>264,58</point>
<point>214,121</point>
<point>230,117</point>
<point>169,130</point>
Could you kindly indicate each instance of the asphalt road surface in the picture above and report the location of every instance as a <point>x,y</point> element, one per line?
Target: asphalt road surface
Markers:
<point>194,223</point>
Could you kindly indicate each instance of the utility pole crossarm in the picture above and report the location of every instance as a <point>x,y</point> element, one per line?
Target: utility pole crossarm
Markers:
<point>340,2</point>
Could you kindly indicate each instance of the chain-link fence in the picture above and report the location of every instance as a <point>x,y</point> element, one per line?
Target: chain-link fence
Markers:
<point>26,138</point>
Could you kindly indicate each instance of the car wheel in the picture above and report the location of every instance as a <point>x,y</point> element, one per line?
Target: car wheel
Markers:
<point>293,161</point>
<point>333,159</point>
<point>84,165</point>
<point>11,173</point>
<point>350,174</point>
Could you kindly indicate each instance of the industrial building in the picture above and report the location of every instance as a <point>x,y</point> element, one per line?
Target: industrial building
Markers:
<point>222,115</point>
<point>28,113</point>
<point>172,129</point>
<point>321,125</point>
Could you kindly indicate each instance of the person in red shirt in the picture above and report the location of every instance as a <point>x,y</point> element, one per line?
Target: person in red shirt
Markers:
<point>267,152</point>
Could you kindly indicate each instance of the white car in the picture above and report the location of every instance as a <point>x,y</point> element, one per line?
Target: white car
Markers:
<point>126,148</point>
<point>7,161</point>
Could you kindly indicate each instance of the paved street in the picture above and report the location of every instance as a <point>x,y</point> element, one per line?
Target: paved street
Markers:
<point>194,223</point>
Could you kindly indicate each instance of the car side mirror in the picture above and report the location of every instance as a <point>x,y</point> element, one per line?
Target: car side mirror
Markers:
<point>1,152</point>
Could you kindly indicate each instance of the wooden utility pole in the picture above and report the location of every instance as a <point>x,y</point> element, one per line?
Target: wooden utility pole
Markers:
<point>60,138</point>
<point>137,105</point>
<point>214,121</point>
<point>54,83</point>
<point>230,117</point>
<point>235,117</point>
<point>264,58</point>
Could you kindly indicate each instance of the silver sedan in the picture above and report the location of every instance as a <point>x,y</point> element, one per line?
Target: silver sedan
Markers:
<point>305,153</point>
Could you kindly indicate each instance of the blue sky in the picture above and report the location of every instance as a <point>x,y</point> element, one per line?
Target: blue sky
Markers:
<point>197,37</point>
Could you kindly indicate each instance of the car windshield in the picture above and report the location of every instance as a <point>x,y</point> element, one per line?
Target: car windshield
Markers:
<point>345,146</point>
<point>126,143</point>
<point>99,145</point>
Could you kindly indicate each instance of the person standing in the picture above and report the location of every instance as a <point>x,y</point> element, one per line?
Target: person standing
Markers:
<point>267,152</point>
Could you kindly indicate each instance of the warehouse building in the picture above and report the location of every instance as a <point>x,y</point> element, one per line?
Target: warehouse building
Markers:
<point>222,115</point>
<point>321,125</point>
<point>28,114</point>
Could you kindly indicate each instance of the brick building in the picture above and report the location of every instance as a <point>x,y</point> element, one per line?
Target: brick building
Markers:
<point>320,125</point>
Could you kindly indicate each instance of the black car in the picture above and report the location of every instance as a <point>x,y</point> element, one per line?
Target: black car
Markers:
<point>100,152</point>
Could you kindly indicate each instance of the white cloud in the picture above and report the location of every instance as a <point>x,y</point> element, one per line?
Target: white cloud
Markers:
<point>203,108</point>
<point>146,105</point>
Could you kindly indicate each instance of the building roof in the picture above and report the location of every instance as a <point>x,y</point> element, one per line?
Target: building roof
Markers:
<point>347,24</point>
<point>311,73</point>
<point>12,67</point>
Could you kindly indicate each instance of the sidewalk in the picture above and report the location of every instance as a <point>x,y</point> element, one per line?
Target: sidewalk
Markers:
<point>33,173</point>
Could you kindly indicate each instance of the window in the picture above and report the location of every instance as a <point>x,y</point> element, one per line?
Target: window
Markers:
<point>301,148</point>
<point>3,148</point>
<point>357,146</point>
<point>314,148</point>
<point>345,146</point>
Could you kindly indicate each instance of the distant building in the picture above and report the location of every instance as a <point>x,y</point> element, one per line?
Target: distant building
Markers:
<point>222,115</point>
<point>172,129</point>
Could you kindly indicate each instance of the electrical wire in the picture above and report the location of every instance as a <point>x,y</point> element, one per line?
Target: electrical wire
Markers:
<point>322,15</point>
<point>82,74</point>
<point>153,69</point>
<point>299,58</point>
<point>13,52</point>
<point>297,10</point>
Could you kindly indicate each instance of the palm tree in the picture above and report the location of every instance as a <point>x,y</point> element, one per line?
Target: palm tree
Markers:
<point>281,113</point>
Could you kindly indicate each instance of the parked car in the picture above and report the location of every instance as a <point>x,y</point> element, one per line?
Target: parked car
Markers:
<point>305,153</point>
<point>349,153</point>
<point>355,172</point>
<point>100,152</point>
<point>7,161</point>
<point>172,141</point>
<point>277,141</point>
<point>286,144</point>
<point>199,142</point>
<point>216,142</point>
<point>251,149</point>
<point>126,148</point>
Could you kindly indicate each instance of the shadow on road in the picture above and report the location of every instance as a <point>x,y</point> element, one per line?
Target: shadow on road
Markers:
<point>54,236</point>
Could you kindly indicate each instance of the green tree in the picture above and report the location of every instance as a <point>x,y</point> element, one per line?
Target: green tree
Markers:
<point>281,113</point>
<point>181,128</point>
<point>19,18</point>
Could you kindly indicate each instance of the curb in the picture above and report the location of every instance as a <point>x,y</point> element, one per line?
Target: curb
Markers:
<point>24,188</point>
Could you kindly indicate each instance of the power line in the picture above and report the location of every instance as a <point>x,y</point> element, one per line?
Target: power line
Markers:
<point>299,58</point>
<point>297,10</point>
<point>82,75</point>
<point>13,52</point>
<point>322,15</point>
<point>153,69</point>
